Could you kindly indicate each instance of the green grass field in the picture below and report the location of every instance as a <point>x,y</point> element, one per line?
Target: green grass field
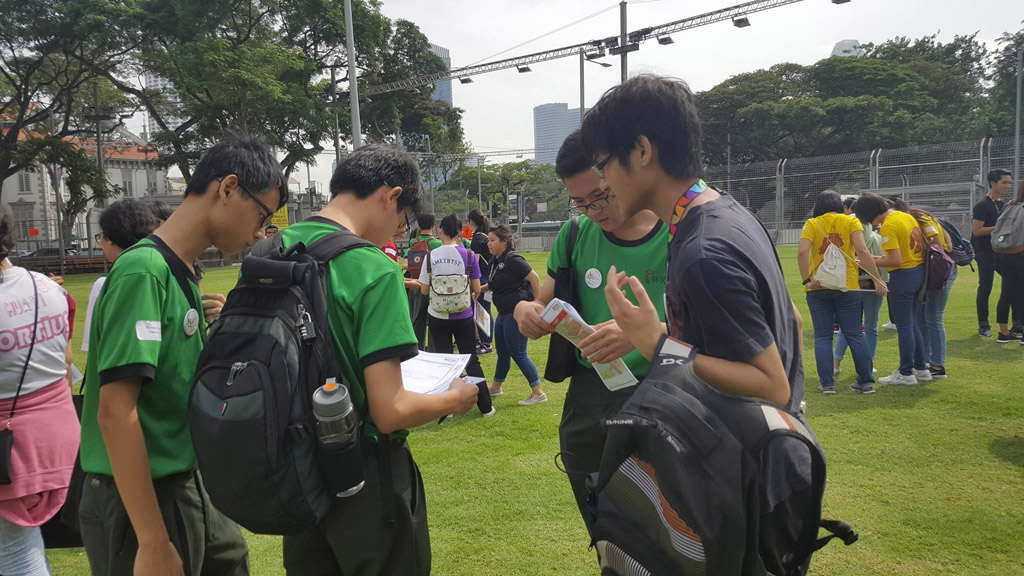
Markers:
<point>932,477</point>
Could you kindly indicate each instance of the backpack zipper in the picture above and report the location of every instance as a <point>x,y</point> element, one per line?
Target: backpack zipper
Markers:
<point>236,368</point>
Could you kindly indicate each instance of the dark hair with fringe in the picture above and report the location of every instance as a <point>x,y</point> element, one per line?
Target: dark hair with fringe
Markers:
<point>250,160</point>
<point>573,157</point>
<point>870,206</point>
<point>368,168</point>
<point>826,202</point>
<point>127,221</point>
<point>504,233</point>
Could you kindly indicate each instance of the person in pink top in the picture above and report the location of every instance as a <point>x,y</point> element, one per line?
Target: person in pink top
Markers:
<point>35,408</point>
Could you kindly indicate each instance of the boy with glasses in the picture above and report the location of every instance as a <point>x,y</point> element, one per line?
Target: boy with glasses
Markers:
<point>606,237</point>
<point>144,509</point>
<point>383,528</point>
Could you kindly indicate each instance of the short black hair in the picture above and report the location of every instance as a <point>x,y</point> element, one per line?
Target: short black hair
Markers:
<point>827,201</point>
<point>451,226</point>
<point>162,210</point>
<point>662,109</point>
<point>250,160</point>
<point>425,221</point>
<point>127,221</point>
<point>573,157</point>
<point>870,206</point>
<point>848,202</point>
<point>994,176</point>
<point>366,169</point>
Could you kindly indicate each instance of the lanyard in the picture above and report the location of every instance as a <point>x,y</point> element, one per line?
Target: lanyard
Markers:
<point>677,215</point>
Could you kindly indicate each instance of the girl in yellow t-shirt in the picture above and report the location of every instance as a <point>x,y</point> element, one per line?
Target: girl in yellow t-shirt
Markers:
<point>830,227</point>
<point>903,244</point>
<point>930,320</point>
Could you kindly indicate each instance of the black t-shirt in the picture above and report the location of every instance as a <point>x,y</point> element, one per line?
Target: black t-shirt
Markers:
<point>727,295</point>
<point>986,211</point>
<point>479,245</point>
<point>507,280</point>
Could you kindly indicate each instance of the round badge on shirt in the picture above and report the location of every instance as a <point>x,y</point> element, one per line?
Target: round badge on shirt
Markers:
<point>593,278</point>
<point>191,323</point>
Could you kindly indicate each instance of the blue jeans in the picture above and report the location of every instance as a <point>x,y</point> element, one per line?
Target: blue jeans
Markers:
<point>826,307</point>
<point>872,305</point>
<point>21,551</point>
<point>511,345</point>
<point>904,286</point>
<point>931,326</point>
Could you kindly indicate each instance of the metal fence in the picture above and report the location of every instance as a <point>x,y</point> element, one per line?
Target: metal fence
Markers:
<point>945,179</point>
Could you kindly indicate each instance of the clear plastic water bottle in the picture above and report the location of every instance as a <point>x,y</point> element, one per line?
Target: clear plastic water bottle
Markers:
<point>338,435</point>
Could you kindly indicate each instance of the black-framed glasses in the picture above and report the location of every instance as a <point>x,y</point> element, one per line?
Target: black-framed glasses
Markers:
<point>599,167</point>
<point>595,206</point>
<point>97,237</point>
<point>267,214</point>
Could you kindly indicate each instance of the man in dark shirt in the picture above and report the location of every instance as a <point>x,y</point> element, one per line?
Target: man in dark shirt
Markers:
<point>726,294</point>
<point>983,223</point>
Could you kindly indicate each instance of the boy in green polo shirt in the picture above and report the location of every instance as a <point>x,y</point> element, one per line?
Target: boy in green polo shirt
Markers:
<point>144,509</point>
<point>383,528</point>
<point>605,238</point>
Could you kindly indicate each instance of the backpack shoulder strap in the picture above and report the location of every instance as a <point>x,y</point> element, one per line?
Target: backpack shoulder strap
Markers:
<point>335,244</point>
<point>570,247</point>
<point>264,248</point>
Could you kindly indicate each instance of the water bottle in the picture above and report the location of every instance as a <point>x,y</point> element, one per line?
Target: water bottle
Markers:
<point>338,436</point>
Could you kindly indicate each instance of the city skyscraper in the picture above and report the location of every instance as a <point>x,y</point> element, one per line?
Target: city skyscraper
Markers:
<point>154,82</point>
<point>443,89</point>
<point>552,123</point>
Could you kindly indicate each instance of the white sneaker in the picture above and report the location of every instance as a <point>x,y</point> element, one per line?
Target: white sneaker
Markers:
<point>491,413</point>
<point>923,375</point>
<point>835,371</point>
<point>889,326</point>
<point>898,379</point>
<point>533,399</point>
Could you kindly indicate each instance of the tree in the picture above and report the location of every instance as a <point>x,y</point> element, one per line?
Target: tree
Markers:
<point>1002,103</point>
<point>535,182</point>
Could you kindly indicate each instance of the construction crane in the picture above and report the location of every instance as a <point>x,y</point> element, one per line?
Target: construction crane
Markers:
<point>591,50</point>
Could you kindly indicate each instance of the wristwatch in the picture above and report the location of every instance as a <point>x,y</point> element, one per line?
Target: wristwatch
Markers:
<point>806,282</point>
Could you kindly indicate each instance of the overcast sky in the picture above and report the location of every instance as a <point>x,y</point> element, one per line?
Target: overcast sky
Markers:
<point>499,106</point>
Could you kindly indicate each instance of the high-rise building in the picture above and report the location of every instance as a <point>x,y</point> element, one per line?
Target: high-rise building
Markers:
<point>443,89</point>
<point>552,123</point>
<point>848,48</point>
<point>163,85</point>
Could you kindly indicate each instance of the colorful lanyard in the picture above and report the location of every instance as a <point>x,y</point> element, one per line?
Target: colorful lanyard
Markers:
<point>683,204</point>
<point>677,215</point>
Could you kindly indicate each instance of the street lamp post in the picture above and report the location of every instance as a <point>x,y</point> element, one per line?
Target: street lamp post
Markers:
<point>353,83</point>
<point>583,60</point>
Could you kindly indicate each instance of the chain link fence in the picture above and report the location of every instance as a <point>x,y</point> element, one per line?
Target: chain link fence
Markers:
<point>945,179</point>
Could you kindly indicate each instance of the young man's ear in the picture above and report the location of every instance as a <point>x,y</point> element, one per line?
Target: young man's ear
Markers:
<point>646,150</point>
<point>393,194</point>
<point>226,187</point>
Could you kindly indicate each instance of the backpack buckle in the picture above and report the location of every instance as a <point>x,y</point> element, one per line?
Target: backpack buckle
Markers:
<point>297,432</point>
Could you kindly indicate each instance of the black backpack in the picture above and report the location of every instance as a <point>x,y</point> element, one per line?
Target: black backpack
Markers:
<point>961,250</point>
<point>250,410</point>
<point>562,362</point>
<point>683,485</point>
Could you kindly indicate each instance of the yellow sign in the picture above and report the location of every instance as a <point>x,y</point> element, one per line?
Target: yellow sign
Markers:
<point>280,218</point>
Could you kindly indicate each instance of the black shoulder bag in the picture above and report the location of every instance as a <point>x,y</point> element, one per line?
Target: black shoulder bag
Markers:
<point>7,435</point>
<point>561,353</point>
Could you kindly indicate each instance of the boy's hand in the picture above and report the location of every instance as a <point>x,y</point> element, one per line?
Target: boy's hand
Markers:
<point>606,345</point>
<point>465,394</point>
<point>640,323</point>
<point>531,325</point>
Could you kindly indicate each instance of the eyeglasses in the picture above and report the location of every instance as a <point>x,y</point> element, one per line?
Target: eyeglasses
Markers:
<point>408,216</point>
<point>266,214</point>
<point>599,167</point>
<point>97,237</point>
<point>594,206</point>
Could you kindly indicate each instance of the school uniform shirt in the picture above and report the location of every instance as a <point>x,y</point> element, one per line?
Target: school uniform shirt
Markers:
<point>595,252</point>
<point>144,327</point>
<point>987,211</point>
<point>450,260</point>
<point>367,310</point>
<point>932,229</point>
<point>839,229</point>
<point>726,293</point>
<point>17,315</point>
<point>508,283</point>
<point>901,231</point>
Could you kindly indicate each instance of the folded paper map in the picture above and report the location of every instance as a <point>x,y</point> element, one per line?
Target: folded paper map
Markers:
<point>571,326</point>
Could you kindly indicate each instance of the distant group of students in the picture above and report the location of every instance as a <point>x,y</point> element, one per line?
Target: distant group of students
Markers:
<point>886,243</point>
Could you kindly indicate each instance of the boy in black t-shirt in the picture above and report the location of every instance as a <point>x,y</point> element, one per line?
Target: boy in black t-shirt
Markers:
<point>726,294</point>
<point>983,223</point>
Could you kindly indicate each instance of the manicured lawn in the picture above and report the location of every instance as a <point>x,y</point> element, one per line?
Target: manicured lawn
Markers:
<point>932,477</point>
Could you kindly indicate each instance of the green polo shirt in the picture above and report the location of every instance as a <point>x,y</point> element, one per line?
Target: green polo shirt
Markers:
<point>430,240</point>
<point>595,252</point>
<point>138,330</point>
<point>368,312</point>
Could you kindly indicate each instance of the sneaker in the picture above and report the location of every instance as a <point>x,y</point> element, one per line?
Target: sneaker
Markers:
<point>495,390</point>
<point>938,372</point>
<point>874,371</point>
<point>827,389</point>
<point>923,375</point>
<point>835,371</point>
<point>1017,331</point>
<point>898,379</point>
<point>889,326</point>
<point>1007,338</point>
<point>984,332</point>
<point>533,399</point>
<point>863,388</point>
<point>491,413</point>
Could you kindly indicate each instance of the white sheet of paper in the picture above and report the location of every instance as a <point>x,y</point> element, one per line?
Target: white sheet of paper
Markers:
<point>482,319</point>
<point>430,373</point>
<point>76,374</point>
<point>570,325</point>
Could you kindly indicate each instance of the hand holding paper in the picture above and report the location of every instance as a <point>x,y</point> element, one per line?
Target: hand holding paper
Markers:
<point>570,325</point>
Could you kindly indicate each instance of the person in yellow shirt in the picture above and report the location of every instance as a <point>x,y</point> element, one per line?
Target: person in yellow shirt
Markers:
<point>930,320</point>
<point>903,243</point>
<point>829,226</point>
